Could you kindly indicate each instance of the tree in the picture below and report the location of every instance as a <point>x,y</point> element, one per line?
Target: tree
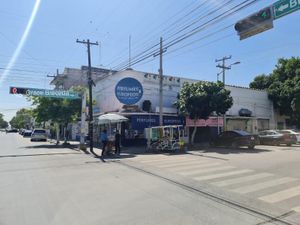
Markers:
<point>283,87</point>
<point>59,111</point>
<point>22,119</point>
<point>261,82</point>
<point>3,123</point>
<point>199,100</point>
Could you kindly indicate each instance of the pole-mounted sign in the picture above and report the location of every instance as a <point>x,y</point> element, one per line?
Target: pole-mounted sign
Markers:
<point>44,93</point>
<point>284,7</point>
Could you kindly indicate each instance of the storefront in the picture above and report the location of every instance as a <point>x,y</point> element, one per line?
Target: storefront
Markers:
<point>206,129</point>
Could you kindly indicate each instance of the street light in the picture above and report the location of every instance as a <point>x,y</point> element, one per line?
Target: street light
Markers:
<point>235,63</point>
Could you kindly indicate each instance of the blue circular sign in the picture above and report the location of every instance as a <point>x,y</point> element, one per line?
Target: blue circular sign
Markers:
<point>129,91</point>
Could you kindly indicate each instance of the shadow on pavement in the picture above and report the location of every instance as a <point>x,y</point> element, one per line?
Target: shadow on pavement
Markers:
<point>233,151</point>
<point>51,146</point>
<point>38,154</point>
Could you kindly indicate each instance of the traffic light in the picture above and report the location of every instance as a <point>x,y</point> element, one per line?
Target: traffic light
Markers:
<point>17,90</point>
<point>263,16</point>
<point>255,23</point>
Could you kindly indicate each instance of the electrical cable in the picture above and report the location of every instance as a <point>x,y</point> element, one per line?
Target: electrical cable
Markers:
<point>203,26</point>
<point>169,26</point>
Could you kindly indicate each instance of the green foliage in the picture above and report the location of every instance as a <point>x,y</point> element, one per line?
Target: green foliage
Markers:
<point>22,119</point>
<point>61,111</point>
<point>261,82</point>
<point>199,100</point>
<point>3,123</point>
<point>283,87</point>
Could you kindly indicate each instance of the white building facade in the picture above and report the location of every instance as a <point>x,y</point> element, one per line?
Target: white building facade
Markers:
<point>110,87</point>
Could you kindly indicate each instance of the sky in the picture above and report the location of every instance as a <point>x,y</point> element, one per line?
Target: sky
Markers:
<point>33,46</point>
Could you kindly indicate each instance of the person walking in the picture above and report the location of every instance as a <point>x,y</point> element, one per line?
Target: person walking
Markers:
<point>117,143</point>
<point>104,140</point>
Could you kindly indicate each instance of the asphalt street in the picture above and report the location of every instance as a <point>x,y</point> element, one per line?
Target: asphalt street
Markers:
<point>41,183</point>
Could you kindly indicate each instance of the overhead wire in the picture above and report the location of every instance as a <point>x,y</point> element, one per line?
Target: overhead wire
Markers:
<point>140,43</point>
<point>184,22</point>
<point>197,29</point>
<point>203,17</point>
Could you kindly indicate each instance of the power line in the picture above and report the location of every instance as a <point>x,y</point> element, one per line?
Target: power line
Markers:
<point>153,52</point>
<point>203,26</point>
<point>180,19</point>
<point>165,29</point>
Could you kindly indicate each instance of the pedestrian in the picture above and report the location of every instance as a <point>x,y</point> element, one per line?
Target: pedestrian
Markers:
<point>104,140</point>
<point>117,143</point>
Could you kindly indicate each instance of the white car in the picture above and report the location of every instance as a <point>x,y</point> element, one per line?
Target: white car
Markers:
<point>39,135</point>
<point>297,134</point>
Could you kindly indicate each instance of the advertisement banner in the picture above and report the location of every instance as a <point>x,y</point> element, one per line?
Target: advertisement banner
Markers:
<point>129,91</point>
<point>140,122</point>
<point>210,122</point>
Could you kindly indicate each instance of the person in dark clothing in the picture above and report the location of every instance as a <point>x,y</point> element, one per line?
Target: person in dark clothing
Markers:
<point>117,143</point>
<point>104,140</point>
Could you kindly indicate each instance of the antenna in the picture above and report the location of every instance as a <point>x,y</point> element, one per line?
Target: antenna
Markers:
<point>129,59</point>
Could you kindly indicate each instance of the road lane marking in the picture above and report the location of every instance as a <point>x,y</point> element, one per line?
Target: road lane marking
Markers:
<point>281,195</point>
<point>207,170</point>
<point>193,167</point>
<point>242,179</point>
<point>169,160</point>
<point>263,185</point>
<point>180,163</point>
<point>220,175</point>
<point>296,209</point>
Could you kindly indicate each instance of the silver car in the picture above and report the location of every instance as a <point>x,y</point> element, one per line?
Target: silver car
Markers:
<point>39,135</point>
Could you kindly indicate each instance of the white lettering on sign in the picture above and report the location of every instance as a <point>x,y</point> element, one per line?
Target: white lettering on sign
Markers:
<point>120,88</point>
<point>128,94</point>
<point>294,3</point>
<point>145,120</point>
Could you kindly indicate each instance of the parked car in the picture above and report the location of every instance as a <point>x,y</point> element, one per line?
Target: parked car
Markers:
<point>235,139</point>
<point>12,130</point>
<point>273,137</point>
<point>27,133</point>
<point>21,131</point>
<point>39,135</point>
<point>294,132</point>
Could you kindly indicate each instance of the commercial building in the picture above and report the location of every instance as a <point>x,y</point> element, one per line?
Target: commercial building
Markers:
<point>135,95</point>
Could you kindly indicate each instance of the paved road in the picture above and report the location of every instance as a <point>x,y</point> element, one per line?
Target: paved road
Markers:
<point>41,184</point>
<point>266,178</point>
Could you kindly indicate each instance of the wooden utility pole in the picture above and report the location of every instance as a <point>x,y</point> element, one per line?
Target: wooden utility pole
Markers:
<point>90,85</point>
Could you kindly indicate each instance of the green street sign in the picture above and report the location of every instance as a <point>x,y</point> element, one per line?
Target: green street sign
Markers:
<point>44,93</point>
<point>284,7</point>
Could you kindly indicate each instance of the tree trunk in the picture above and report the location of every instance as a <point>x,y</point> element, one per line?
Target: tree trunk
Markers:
<point>57,133</point>
<point>193,135</point>
<point>66,134</point>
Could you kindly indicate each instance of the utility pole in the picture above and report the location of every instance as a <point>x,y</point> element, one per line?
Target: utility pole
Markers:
<point>90,85</point>
<point>161,82</point>
<point>224,68</point>
<point>53,76</point>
